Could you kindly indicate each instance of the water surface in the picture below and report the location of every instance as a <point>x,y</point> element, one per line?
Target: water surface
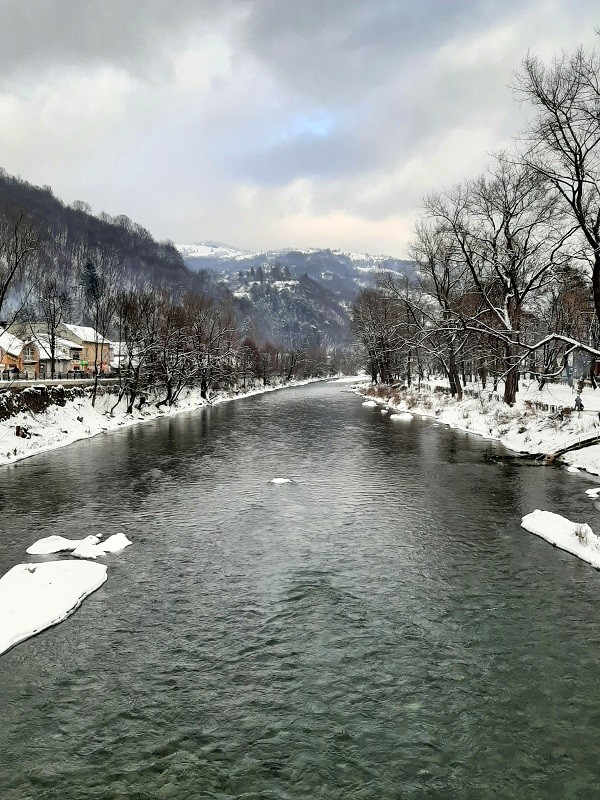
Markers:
<point>381,628</point>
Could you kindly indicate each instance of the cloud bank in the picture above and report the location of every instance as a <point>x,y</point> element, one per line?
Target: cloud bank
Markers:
<point>267,123</point>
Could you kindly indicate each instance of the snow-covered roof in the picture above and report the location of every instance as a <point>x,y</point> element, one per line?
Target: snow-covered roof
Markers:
<point>86,334</point>
<point>10,344</point>
<point>61,351</point>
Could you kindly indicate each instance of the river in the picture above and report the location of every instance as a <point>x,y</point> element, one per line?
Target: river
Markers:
<point>381,628</point>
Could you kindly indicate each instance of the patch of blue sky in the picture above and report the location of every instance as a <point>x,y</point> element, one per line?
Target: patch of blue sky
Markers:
<point>320,124</point>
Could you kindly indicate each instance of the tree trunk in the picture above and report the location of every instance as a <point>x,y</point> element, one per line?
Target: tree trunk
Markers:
<point>454,377</point>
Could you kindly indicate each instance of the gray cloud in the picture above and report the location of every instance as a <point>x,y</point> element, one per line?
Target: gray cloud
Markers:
<point>256,120</point>
<point>131,34</point>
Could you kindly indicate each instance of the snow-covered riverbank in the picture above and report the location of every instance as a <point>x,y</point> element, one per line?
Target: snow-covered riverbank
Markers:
<point>537,424</point>
<point>541,423</point>
<point>58,426</point>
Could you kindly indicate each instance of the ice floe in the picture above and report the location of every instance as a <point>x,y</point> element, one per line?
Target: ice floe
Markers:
<point>115,543</point>
<point>593,493</point>
<point>402,417</point>
<point>576,538</point>
<point>88,547</point>
<point>573,469</point>
<point>35,596</point>
<point>281,480</point>
<point>370,403</point>
<point>58,544</point>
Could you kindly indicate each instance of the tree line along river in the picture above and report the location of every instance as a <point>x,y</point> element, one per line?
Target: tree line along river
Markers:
<point>380,628</point>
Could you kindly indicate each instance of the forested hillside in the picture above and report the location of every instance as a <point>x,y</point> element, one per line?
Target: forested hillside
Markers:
<point>72,233</point>
<point>174,328</point>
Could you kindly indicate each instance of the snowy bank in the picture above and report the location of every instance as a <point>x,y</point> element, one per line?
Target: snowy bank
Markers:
<point>576,538</point>
<point>60,425</point>
<point>528,427</point>
<point>35,596</point>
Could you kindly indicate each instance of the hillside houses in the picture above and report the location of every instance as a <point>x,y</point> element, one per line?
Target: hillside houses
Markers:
<point>78,352</point>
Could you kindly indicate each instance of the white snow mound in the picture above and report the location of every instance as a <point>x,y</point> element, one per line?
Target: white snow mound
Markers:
<point>573,469</point>
<point>115,543</point>
<point>574,537</point>
<point>593,492</point>
<point>370,403</point>
<point>281,480</point>
<point>36,596</point>
<point>89,547</point>
<point>403,417</point>
<point>58,544</point>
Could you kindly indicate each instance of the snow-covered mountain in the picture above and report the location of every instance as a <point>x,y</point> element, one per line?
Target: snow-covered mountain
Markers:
<point>343,273</point>
<point>210,250</point>
<point>305,295</point>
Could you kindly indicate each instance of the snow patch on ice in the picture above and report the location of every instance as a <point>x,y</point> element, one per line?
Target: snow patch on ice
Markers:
<point>116,543</point>
<point>404,417</point>
<point>35,596</point>
<point>58,544</point>
<point>89,547</point>
<point>576,538</point>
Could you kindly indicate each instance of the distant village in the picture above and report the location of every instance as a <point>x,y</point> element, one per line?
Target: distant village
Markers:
<point>79,352</point>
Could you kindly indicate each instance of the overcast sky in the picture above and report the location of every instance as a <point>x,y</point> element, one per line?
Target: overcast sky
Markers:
<point>268,123</point>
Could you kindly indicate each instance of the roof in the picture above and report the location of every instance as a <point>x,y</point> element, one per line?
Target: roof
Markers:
<point>10,344</point>
<point>61,350</point>
<point>86,334</point>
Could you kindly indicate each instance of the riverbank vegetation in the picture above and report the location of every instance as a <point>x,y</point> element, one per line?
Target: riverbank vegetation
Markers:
<point>172,329</point>
<point>508,276</point>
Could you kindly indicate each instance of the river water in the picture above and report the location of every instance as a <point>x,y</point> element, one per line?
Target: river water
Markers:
<point>381,628</point>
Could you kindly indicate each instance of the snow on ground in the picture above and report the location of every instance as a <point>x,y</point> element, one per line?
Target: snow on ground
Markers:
<point>59,426</point>
<point>35,596</point>
<point>576,538</point>
<point>523,428</point>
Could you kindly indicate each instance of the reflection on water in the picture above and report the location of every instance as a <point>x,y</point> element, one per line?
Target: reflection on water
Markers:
<point>381,628</point>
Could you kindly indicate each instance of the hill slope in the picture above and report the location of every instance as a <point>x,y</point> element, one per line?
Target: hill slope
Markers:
<point>305,294</point>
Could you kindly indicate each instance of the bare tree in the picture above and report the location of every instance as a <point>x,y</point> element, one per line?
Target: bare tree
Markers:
<point>19,244</point>
<point>508,232</point>
<point>562,143</point>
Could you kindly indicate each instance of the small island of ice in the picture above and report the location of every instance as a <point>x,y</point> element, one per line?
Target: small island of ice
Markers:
<point>35,596</point>
<point>370,403</point>
<point>58,544</point>
<point>281,480</point>
<point>88,547</point>
<point>576,538</point>
<point>404,416</point>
